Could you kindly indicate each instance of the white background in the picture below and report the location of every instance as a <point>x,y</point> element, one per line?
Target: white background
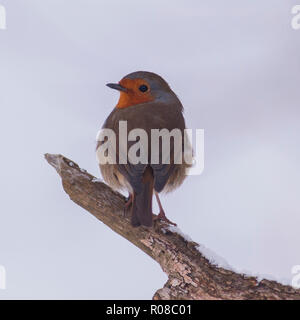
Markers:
<point>234,65</point>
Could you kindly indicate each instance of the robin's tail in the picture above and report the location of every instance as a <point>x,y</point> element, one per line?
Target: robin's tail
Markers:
<point>142,201</point>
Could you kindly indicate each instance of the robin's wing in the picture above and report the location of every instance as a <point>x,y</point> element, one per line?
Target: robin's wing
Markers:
<point>161,174</point>
<point>161,171</point>
<point>133,174</point>
<point>166,166</point>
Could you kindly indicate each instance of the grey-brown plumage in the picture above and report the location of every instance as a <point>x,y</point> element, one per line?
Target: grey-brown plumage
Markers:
<point>157,108</point>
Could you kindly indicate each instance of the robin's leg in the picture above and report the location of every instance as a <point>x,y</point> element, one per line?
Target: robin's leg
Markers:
<point>128,203</point>
<point>162,215</point>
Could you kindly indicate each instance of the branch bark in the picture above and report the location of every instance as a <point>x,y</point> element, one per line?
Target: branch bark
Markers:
<point>191,274</point>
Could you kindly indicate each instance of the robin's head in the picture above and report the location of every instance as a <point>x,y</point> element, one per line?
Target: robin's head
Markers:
<point>141,87</point>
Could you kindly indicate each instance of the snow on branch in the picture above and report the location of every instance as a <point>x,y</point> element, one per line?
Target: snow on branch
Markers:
<point>194,272</point>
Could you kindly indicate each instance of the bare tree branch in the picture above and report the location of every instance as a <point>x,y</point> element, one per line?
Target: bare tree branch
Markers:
<point>191,275</point>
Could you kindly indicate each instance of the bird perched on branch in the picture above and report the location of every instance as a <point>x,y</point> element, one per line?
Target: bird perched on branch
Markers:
<point>146,102</point>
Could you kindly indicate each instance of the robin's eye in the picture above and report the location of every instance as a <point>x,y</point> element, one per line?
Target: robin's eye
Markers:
<point>143,88</point>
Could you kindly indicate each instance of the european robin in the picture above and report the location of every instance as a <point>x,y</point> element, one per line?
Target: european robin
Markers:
<point>146,102</point>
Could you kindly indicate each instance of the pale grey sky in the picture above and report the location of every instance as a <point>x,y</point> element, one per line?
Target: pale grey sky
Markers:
<point>234,65</point>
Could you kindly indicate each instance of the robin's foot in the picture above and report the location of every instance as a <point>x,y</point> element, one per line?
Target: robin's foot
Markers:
<point>162,216</point>
<point>128,204</point>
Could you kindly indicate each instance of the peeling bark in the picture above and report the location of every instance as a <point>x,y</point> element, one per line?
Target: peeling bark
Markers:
<point>190,274</point>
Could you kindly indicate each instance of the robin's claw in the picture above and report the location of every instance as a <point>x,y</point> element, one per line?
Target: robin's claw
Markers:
<point>162,216</point>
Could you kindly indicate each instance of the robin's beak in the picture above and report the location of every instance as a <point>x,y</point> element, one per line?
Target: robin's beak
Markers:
<point>116,86</point>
